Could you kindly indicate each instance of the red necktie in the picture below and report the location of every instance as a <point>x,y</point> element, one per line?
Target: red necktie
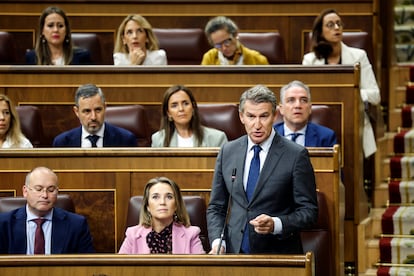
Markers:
<point>39,244</point>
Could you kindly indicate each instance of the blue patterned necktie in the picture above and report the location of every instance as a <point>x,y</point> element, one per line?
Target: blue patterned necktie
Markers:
<point>254,172</point>
<point>93,139</point>
<point>295,135</point>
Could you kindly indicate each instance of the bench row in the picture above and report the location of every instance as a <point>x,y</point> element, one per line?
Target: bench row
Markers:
<point>184,46</point>
<point>143,121</point>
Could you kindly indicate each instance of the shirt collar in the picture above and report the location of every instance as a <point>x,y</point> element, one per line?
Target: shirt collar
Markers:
<point>31,216</point>
<point>265,145</point>
<point>288,131</point>
<point>100,132</point>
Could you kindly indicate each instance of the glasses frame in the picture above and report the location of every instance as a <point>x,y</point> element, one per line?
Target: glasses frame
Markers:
<point>227,42</point>
<point>331,25</point>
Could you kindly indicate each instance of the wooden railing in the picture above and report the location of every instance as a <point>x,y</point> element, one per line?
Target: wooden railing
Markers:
<point>174,265</point>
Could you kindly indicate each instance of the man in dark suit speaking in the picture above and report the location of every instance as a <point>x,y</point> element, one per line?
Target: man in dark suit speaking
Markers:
<point>271,182</point>
<point>94,132</point>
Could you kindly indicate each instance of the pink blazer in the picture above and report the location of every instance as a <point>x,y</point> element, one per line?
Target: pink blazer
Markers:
<point>184,240</point>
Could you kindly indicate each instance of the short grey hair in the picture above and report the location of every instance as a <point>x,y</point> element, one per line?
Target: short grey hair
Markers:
<point>295,83</point>
<point>258,94</point>
<point>87,91</point>
<point>221,23</point>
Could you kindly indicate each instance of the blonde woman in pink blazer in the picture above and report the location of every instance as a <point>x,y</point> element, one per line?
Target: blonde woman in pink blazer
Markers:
<point>164,226</point>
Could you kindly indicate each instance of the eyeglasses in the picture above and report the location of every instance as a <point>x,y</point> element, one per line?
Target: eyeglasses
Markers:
<point>331,25</point>
<point>226,42</point>
<point>41,189</point>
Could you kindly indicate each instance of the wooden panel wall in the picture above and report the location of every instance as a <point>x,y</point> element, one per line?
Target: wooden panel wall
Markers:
<point>291,18</point>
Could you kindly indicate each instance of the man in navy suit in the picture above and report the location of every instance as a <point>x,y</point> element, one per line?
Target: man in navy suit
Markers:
<point>296,107</point>
<point>64,232</point>
<point>94,131</point>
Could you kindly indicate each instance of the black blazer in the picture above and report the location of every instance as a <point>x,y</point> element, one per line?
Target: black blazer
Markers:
<point>81,56</point>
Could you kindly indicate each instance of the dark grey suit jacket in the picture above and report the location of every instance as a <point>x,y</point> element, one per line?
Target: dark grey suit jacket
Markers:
<point>286,189</point>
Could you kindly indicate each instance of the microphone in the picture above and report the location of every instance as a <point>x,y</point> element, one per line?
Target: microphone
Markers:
<point>233,177</point>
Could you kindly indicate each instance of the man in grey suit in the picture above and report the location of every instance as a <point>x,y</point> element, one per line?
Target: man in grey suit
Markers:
<point>284,198</point>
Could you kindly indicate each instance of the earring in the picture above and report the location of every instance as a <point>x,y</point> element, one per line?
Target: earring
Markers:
<point>170,119</point>
<point>67,40</point>
<point>42,38</point>
<point>175,217</point>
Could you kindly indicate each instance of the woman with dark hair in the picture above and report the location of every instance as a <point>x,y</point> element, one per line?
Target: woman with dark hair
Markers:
<point>54,45</point>
<point>328,48</point>
<point>11,135</point>
<point>164,224</point>
<point>136,43</point>
<point>180,123</point>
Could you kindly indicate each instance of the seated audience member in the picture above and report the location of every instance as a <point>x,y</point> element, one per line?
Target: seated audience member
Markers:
<point>180,123</point>
<point>328,48</point>
<point>11,135</point>
<point>54,46</point>
<point>94,132</point>
<point>63,232</point>
<point>164,224</point>
<point>136,43</point>
<point>296,107</point>
<point>222,33</point>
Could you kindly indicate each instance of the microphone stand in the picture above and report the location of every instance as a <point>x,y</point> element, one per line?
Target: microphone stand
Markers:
<point>233,177</point>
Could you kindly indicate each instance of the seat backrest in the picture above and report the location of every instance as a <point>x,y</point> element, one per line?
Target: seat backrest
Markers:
<point>89,41</point>
<point>132,118</point>
<point>7,49</point>
<point>196,208</point>
<point>360,40</point>
<point>7,204</point>
<point>224,117</point>
<point>269,44</point>
<point>31,124</point>
<point>318,239</point>
<point>184,46</point>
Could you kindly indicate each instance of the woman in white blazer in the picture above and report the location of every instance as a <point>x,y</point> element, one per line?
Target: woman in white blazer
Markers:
<point>180,123</point>
<point>328,48</point>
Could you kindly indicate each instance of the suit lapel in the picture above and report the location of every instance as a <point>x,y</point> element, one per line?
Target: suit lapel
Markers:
<point>178,239</point>
<point>19,245</point>
<point>269,167</point>
<point>311,137</point>
<point>59,231</point>
<point>240,155</point>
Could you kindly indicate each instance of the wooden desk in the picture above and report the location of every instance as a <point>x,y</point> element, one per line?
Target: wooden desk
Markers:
<point>174,265</point>
<point>54,88</point>
<point>101,181</point>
